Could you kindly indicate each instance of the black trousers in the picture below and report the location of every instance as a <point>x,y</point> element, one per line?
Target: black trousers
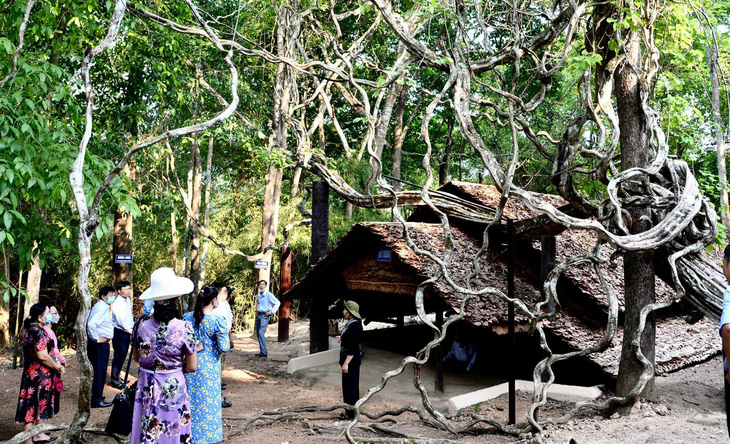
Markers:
<point>99,357</point>
<point>727,402</point>
<point>120,341</point>
<point>351,385</point>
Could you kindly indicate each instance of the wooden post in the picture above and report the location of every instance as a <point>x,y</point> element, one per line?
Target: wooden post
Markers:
<point>285,308</point>
<point>438,356</point>
<point>547,263</point>
<point>318,328</point>
<point>511,322</point>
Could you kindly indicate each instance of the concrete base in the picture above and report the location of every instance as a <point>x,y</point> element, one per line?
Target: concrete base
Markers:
<point>306,360</point>
<point>558,392</point>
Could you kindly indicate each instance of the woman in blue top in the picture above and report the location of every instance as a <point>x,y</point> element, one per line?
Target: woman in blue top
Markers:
<point>204,385</point>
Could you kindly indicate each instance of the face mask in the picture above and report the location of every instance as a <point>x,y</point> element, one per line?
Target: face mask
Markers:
<point>111,300</point>
<point>49,319</point>
<point>55,318</point>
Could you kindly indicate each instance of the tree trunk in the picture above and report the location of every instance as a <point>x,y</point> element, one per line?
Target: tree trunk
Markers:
<point>173,246</point>
<point>5,305</point>
<point>288,29</point>
<point>270,221</point>
<point>638,267</point>
<point>33,287</point>
<point>399,135</point>
<point>122,240</point>
<point>196,189</point>
<point>445,160</point>
<point>206,222</point>
<point>712,61</point>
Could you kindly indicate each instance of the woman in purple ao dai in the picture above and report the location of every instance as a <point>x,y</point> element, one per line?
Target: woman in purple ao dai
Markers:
<point>165,348</point>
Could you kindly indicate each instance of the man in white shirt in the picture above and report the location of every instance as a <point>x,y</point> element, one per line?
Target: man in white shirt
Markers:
<point>123,321</point>
<point>100,330</point>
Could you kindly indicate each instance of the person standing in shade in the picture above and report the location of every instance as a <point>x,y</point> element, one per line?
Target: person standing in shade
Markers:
<point>266,305</point>
<point>224,310</point>
<point>123,321</point>
<point>55,352</point>
<point>100,330</point>
<point>350,340</point>
<point>204,385</point>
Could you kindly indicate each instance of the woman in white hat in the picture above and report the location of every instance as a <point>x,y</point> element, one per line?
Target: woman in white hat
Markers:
<point>350,341</point>
<point>165,347</point>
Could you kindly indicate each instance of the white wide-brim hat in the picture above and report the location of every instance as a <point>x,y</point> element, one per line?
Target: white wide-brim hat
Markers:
<point>165,284</point>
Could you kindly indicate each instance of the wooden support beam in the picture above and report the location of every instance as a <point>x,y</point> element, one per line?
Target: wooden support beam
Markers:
<point>285,308</point>
<point>318,326</point>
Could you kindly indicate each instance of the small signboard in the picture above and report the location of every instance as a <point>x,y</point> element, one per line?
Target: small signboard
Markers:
<point>122,258</point>
<point>262,265</point>
<point>385,254</point>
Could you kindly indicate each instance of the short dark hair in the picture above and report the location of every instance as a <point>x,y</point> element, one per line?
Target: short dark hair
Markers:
<point>262,280</point>
<point>103,291</point>
<point>726,254</point>
<point>122,284</point>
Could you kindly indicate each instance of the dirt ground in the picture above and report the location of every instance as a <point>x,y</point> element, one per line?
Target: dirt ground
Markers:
<point>687,406</point>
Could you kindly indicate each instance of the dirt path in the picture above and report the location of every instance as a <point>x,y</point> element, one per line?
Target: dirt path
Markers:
<point>687,406</point>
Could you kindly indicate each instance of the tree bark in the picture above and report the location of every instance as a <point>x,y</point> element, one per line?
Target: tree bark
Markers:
<point>33,286</point>
<point>5,306</point>
<point>712,61</point>
<point>173,244</point>
<point>399,135</point>
<point>445,159</point>
<point>123,236</point>
<point>196,189</point>
<point>270,218</point>
<point>638,267</point>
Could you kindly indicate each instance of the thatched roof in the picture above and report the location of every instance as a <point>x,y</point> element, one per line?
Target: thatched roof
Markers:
<point>579,322</point>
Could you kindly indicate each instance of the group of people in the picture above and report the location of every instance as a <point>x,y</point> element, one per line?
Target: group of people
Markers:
<point>179,389</point>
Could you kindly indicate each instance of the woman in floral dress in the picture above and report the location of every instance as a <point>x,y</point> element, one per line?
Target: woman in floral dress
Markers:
<point>37,392</point>
<point>165,348</point>
<point>205,384</point>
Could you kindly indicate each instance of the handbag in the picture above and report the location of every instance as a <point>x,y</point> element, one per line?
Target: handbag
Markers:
<point>122,414</point>
<point>58,384</point>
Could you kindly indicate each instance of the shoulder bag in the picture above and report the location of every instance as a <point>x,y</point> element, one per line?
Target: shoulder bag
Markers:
<point>121,417</point>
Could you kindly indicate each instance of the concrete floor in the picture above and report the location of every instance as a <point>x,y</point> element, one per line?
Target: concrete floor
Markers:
<point>400,389</point>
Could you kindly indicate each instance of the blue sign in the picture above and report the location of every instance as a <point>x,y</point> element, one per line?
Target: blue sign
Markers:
<point>123,259</point>
<point>385,254</point>
<point>263,265</point>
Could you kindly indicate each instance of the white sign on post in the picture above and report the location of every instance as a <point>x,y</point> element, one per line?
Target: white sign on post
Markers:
<point>261,265</point>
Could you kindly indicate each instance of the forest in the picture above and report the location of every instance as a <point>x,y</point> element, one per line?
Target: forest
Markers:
<point>190,134</point>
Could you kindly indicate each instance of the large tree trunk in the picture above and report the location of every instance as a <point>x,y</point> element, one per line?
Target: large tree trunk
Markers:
<point>122,240</point>
<point>445,160</point>
<point>196,191</point>
<point>270,221</point>
<point>33,287</point>
<point>288,29</point>
<point>399,136</point>
<point>638,267</point>
<point>712,61</point>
